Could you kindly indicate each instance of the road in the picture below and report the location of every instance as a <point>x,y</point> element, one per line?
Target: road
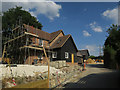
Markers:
<point>96,76</point>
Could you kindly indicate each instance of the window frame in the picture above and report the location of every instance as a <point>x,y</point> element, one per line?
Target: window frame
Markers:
<point>40,56</point>
<point>66,55</point>
<point>35,40</point>
<point>40,40</point>
<point>54,55</point>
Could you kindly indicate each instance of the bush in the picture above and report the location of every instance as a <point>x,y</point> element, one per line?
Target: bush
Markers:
<point>112,47</point>
<point>118,57</point>
<point>109,57</point>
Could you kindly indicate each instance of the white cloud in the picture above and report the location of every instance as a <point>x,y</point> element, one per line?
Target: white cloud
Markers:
<point>33,14</point>
<point>85,33</point>
<point>49,9</point>
<point>93,49</point>
<point>111,14</point>
<point>25,0</point>
<point>95,27</point>
<point>64,0</point>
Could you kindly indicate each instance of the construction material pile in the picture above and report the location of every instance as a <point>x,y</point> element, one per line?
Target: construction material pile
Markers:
<point>67,73</point>
<point>26,70</point>
<point>24,74</point>
<point>58,63</point>
<point>30,73</point>
<point>90,61</point>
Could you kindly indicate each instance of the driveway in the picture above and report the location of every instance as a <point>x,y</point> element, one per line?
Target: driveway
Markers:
<point>96,76</point>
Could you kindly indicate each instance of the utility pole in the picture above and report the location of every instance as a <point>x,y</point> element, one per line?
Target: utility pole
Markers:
<point>100,53</point>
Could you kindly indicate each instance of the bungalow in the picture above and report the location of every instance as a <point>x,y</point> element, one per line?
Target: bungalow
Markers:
<point>27,46</point>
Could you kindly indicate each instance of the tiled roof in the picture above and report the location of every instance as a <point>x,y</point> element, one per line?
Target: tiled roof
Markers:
<point>54,34</point>
<point>48,36</point>
<point>60,42</point>
<point>40,33</point>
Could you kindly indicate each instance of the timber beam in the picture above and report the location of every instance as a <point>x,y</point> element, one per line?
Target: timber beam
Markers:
<point>32,34</point>
<point>31,47</point>
<point>25,33</point>
<point>15,28</point>
<point>34,48</point>
<point>14,39</point>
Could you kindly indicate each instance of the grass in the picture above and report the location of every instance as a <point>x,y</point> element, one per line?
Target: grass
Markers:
<point>35,84</point>
<point>22,80</point>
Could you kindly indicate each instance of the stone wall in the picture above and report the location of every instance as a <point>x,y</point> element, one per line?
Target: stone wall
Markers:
<point>58,63</point>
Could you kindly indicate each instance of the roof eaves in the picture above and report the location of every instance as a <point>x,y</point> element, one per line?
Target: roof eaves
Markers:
<point>59,31</point>
<point>74,44</point>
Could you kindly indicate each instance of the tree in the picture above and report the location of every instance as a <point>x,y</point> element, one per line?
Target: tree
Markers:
<point>11,19</point>
<point>112,47</point>
<point>92,57</point>
<point>109,57</point>
<point>16,16</point>
<point>114,37</point>
<point>118,58</point>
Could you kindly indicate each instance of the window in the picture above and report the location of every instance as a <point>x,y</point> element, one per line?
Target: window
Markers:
<point>40,56</point>
<point>35,40</point>
<point>66,55</point>
<point>40,42</point>
<point>54,55</point>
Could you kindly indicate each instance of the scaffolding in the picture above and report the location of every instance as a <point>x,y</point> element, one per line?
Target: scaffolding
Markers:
<point>20,40</point>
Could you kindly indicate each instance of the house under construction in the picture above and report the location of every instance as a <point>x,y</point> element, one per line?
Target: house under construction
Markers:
<point>27,45</point>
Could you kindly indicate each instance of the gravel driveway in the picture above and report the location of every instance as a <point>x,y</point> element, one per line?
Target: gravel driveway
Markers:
<point>96,76</point>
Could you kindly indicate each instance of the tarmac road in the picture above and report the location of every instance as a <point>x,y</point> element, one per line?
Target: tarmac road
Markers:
<point>96,76</point>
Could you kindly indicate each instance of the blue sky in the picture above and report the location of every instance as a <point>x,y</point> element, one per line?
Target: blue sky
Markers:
<point>86,22</point>
<point>77,19</point>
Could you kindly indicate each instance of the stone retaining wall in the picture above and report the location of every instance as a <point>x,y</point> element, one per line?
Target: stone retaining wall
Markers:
<point>58,63</point>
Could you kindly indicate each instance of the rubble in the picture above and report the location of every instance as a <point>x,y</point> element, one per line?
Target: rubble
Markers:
<point>29,73</point>
<point>58,64</point>
<point>68,73</point>
<point>26,70</point>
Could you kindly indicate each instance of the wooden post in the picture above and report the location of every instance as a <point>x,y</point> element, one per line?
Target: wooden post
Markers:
<point>72,58</point>
<point>3,52</point>
<point>48,64</point>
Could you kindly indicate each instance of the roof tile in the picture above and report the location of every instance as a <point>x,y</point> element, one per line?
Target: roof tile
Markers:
<point>60,41</point>
<point>48,36</point>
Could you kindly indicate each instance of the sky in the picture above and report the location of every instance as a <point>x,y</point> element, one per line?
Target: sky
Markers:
<point>87,22</point>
